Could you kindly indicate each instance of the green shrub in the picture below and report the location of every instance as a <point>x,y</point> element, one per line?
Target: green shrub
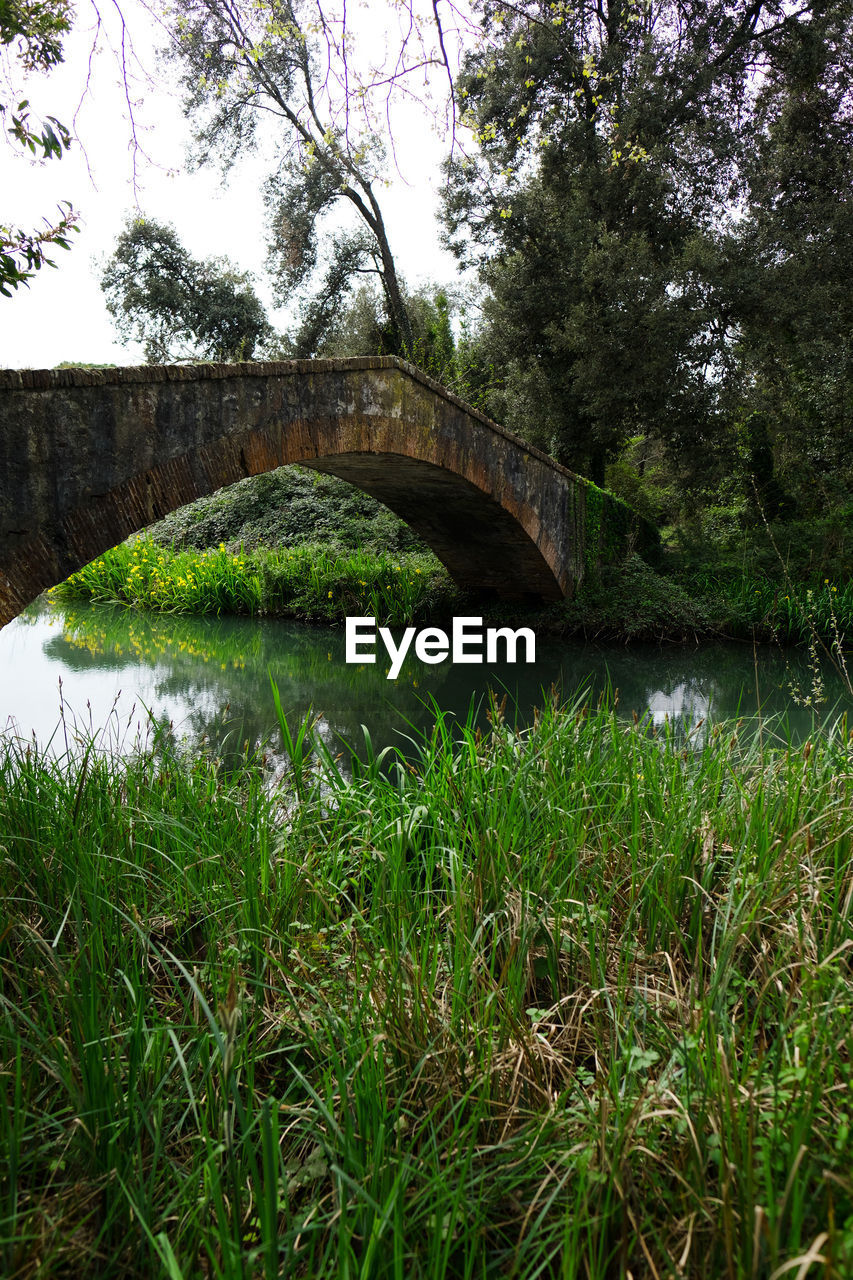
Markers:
<point>311,582</point>
<point>630,600</point>
<point>284,508</point>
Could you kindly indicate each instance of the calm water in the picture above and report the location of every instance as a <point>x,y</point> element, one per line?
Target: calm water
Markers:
<point>209,677</point>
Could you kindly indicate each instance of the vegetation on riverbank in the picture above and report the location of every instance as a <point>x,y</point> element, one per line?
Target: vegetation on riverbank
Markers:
<point>280,543</point>
<point>306,581</point>
<point>634,601</point>
<point>631,601</point>
<point>573,1001</point>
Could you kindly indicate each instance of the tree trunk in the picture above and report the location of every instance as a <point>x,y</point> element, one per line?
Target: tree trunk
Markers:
<point>391,283</point>
<point>596,467</point>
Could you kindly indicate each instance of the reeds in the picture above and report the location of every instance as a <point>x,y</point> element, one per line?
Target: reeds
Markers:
<point>304,581</point>
<point>787,611</point>
<point>574,1001</point>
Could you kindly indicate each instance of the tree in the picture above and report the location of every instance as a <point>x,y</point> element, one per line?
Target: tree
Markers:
<point>595,326</point>
<point>177,307</point>
<point>32,32</point>
<point>612,138</point>
<point>290,62</point>
<point>361,327</point>
<point>791,259</point>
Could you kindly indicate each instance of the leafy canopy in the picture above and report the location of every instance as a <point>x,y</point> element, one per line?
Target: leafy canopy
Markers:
<point>31,33</point>
<point>285,74</point>
<point>608,180</point>
<point>177,307</point>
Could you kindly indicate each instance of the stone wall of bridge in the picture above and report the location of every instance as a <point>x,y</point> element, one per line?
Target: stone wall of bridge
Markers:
<point>88,457</point>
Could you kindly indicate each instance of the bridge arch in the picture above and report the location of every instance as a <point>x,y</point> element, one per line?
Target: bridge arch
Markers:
<point>88,457</point>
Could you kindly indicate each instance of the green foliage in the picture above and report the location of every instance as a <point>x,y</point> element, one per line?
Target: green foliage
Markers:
<point>682,599</point>
<point>285,508</point>
<point>177,307</point>
<point>647,476</point>
<point>477,374</point>
<point>356,1035</point>
<point>276,62</point>
<point>756,607</point>
<point>726,540</point>
<point>80,364</point>
<point>790,301</point>
<point>364,326</point>
<point>306,581</point>
<point>23,253</point>
<point>625,298</point>
<point>32,31</point>
<point>36,28</point>
<point>593,500</point>
<point>321,328</point>
<point>588,208</point>
<point>434,347</point>
<point>630,601</point>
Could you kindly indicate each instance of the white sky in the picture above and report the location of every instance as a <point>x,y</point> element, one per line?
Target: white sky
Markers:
<point>61,316</point>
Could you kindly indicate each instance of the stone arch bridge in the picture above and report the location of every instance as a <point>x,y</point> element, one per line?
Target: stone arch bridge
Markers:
<point>88,457</point>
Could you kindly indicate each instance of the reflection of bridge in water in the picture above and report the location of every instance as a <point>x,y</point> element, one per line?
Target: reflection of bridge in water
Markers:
<point>88,457</point>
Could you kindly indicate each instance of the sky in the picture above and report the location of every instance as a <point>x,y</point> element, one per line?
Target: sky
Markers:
<point>62,315</point>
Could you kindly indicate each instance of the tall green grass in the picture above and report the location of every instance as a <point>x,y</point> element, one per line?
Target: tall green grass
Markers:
<point>568,1002</point>
<point>315,583</point>
<point>305,581</point>
<point>792,612</point>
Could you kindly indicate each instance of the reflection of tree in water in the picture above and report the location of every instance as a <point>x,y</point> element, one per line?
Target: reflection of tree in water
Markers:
<point>719,681</point>
<point>220,669</point>
<point>309,669</point>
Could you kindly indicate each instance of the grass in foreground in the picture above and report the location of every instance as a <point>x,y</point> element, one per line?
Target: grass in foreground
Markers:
<point>305,581</point>
<point>572,1002</point>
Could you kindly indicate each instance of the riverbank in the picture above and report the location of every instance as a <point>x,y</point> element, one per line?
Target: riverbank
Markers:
<point>293,543</point>
<point>569,1001</point>
<point>313,583</point>
<point>307,581</point>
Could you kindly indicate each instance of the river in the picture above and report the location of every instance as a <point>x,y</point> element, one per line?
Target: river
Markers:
<point>109,671</point>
